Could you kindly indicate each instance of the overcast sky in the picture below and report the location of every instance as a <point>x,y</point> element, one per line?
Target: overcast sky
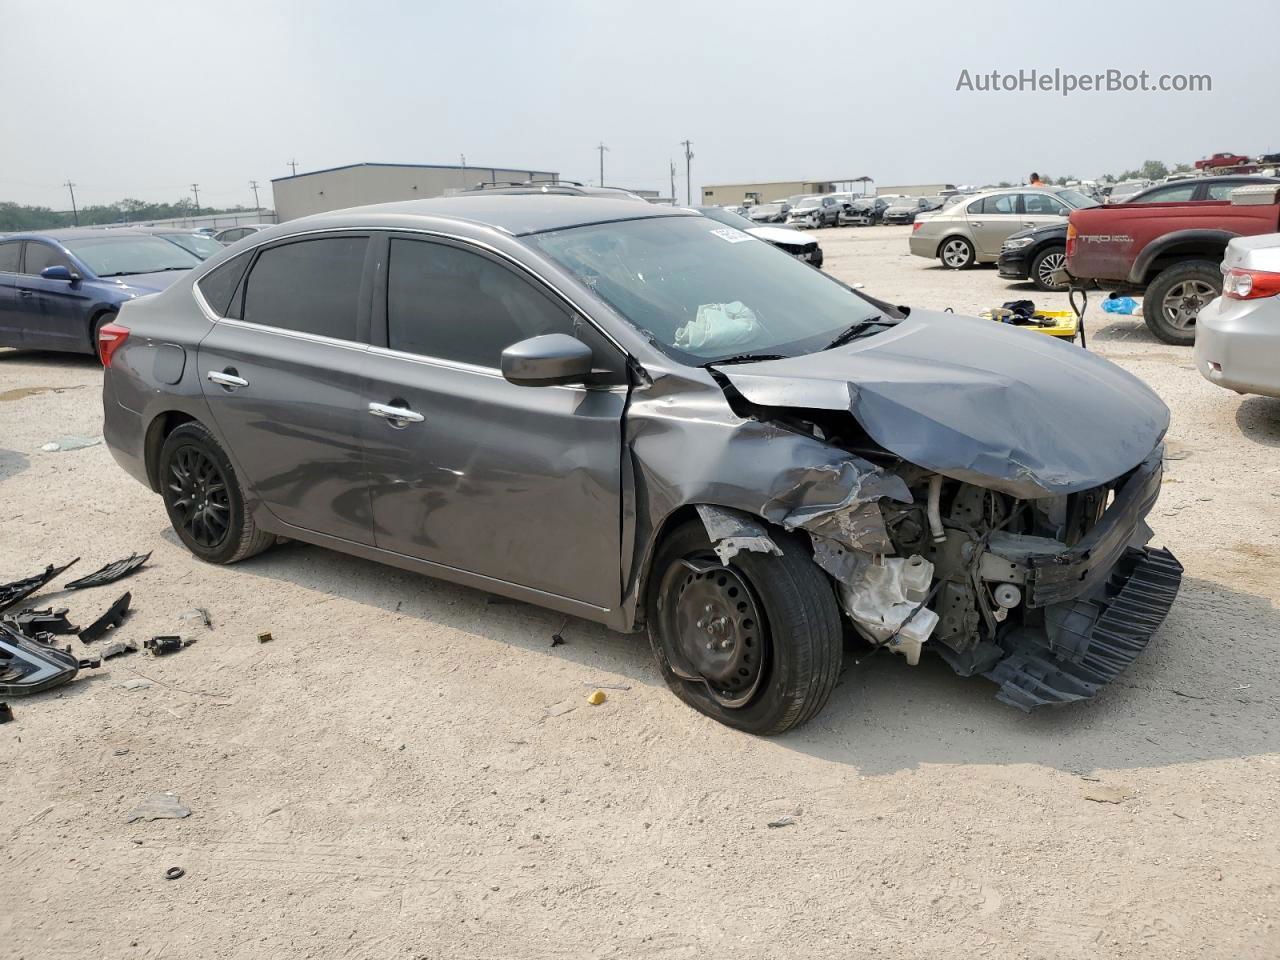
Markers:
<point>134,98</point>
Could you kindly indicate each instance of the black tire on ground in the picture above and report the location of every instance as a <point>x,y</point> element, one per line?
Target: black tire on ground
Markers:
<point>204,499</point>
<point>1175,296</point>
<point>956,253</point>
<point>100,321</point>
<point>798,647</point>
<point>1044,263</point>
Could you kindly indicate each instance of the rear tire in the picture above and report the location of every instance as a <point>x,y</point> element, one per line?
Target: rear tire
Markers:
<point>956,253</point>
<point>789,662</point>
<point>1174,298</point>
<point>204,500</point>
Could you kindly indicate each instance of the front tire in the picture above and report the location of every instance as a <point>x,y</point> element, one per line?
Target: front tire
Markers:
<point>1174,298</point>
<point>956,253</point>
<point>756,644</point>
<point>204,500</point>
<point>1044,264</point>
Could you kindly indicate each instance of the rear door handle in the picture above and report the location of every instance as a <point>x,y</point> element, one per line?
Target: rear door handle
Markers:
<point>976,223</point>
<point>399,416</point>
<point>26,293</point>
<point>229,380</point>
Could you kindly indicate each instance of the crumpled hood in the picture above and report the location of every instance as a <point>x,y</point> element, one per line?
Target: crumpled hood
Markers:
<point>979,401</point>
<point>143,283</point>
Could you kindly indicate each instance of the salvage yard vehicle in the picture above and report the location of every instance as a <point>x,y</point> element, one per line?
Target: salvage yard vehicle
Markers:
<point>1122,191</point>
<point>814,212</point>
<point>201,245</point>
<point>769,212</point>
<point>786,239</point>
<point>1171,252</point>
<point>1238,334</point>
<point>1035,254</point>
<point>1196,188</point>
<point>636,415</point>
<point>864,211</point>
<point>230,235</point>
<point>905,209</point>
<point>975,231</point>
<point>58,288</point>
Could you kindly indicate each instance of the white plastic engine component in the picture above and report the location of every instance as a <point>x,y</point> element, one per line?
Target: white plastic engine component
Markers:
<point>881,603</point>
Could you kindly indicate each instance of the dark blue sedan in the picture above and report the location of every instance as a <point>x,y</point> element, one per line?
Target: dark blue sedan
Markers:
<point>57,289</point>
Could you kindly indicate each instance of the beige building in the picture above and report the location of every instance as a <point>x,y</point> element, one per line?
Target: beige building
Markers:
<point>359,183</point>
<point>737,193</point>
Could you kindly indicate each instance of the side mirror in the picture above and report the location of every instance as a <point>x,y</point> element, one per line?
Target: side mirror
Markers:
<point>547,360</point>
<point>59,272</point>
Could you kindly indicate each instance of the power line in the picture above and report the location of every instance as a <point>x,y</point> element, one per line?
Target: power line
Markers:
<point>74,213</point>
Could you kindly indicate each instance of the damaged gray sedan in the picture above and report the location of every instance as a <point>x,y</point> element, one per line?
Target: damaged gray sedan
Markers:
<point>645,418</point>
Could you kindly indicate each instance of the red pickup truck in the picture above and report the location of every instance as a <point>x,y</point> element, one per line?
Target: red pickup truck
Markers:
<point>1170,251</point>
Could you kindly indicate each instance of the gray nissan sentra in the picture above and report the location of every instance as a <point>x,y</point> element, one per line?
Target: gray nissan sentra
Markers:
<point>643,417</point>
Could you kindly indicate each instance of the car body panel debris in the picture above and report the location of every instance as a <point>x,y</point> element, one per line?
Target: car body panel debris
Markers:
<point>112,572</point>
<point>108,621</point>
<point>28,666</point>
<point>11,593</point>
<point>118,649</point>
<point>159,806</point>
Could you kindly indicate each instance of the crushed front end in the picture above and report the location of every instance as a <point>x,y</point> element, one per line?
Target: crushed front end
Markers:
<point>1050,598</point>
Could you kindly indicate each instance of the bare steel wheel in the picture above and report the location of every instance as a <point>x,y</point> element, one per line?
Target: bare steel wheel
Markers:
<point>755,643</point>
<point>717,629</point>
<point>956,253</point>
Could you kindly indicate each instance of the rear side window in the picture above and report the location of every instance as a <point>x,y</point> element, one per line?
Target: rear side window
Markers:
<point>312,286</point>
<point>1004,203</point>
<point>41,255</point>
<point>453,304</point>
<point>219,285</point>
<point>1042,203</point>
<point>9,256</point>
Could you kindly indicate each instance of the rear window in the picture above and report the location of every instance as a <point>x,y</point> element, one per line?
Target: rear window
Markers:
<point>218,286</point>
<point>312,286</point>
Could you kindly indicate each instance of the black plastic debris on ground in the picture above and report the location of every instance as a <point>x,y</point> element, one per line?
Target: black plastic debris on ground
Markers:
<point>11,593</point>
<point>6,713</point>
<point>44,621</point>
<point>108,621</point>
<point>112,572</point>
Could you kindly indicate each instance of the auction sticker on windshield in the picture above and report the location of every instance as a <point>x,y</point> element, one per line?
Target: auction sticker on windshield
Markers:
<point>730,234</point>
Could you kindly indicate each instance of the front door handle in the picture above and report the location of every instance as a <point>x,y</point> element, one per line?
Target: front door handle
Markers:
<point>26,293</point>
<point>398,416</point>
<point>228,380</point>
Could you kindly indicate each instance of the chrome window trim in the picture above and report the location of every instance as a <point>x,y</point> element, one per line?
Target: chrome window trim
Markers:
<point>297,334</point>
<point>492,372</point>
<point>465,241</point>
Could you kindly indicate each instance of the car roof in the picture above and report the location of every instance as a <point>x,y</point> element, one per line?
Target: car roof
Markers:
<point>81,233</point>
<point>516,214</point>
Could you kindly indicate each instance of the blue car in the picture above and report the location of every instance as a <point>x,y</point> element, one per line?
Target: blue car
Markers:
<point>57,289</point>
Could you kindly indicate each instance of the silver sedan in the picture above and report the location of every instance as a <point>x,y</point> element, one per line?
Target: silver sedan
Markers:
<point>1238,334</point>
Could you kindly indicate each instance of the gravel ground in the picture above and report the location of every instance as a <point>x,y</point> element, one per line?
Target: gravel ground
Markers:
<point>409,769</point>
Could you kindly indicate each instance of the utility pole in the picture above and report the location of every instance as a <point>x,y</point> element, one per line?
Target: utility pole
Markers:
<point>254,185</point>
<point>74,213</point>
<point>603,150</point>
<point>688,176</point>
<point>673,180</point>
<point>293,165</point>
<point>195,188</point>
<point>463,158</point>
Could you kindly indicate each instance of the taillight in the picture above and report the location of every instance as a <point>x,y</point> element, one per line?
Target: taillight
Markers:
<point>916,226</point>
<point>110,339</point>
<point>1071,240</point>
<point>1241,284</point>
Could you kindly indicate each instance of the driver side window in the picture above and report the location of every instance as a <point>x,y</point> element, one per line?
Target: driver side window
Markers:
<point>41,255</point>
<point>453,304</point>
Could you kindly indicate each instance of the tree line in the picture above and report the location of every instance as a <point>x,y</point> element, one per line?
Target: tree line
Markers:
<point>17,216</point>
<point>1150,170</point>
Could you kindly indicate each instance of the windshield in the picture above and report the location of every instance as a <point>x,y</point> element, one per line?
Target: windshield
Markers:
<point>808,203</point>
<point>705,292</point>
<point>721,215</point>
<point>904,202</point>
<point>201,245</point>
<point>770,208</point>
<point>122,256</point>
<point>1077,200</point>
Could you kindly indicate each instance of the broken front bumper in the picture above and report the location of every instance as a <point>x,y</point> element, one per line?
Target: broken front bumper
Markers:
<point>1102,598</point>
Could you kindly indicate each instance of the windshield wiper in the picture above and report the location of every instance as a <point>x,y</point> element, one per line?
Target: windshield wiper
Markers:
<point>854,331</point>
<point>745,358</point>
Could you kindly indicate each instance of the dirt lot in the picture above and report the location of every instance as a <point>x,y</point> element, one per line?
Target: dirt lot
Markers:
<point>411,770</point>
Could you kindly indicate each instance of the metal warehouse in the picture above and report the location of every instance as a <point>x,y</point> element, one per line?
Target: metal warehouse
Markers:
<point>722,193</point>
<point>359,183</point>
